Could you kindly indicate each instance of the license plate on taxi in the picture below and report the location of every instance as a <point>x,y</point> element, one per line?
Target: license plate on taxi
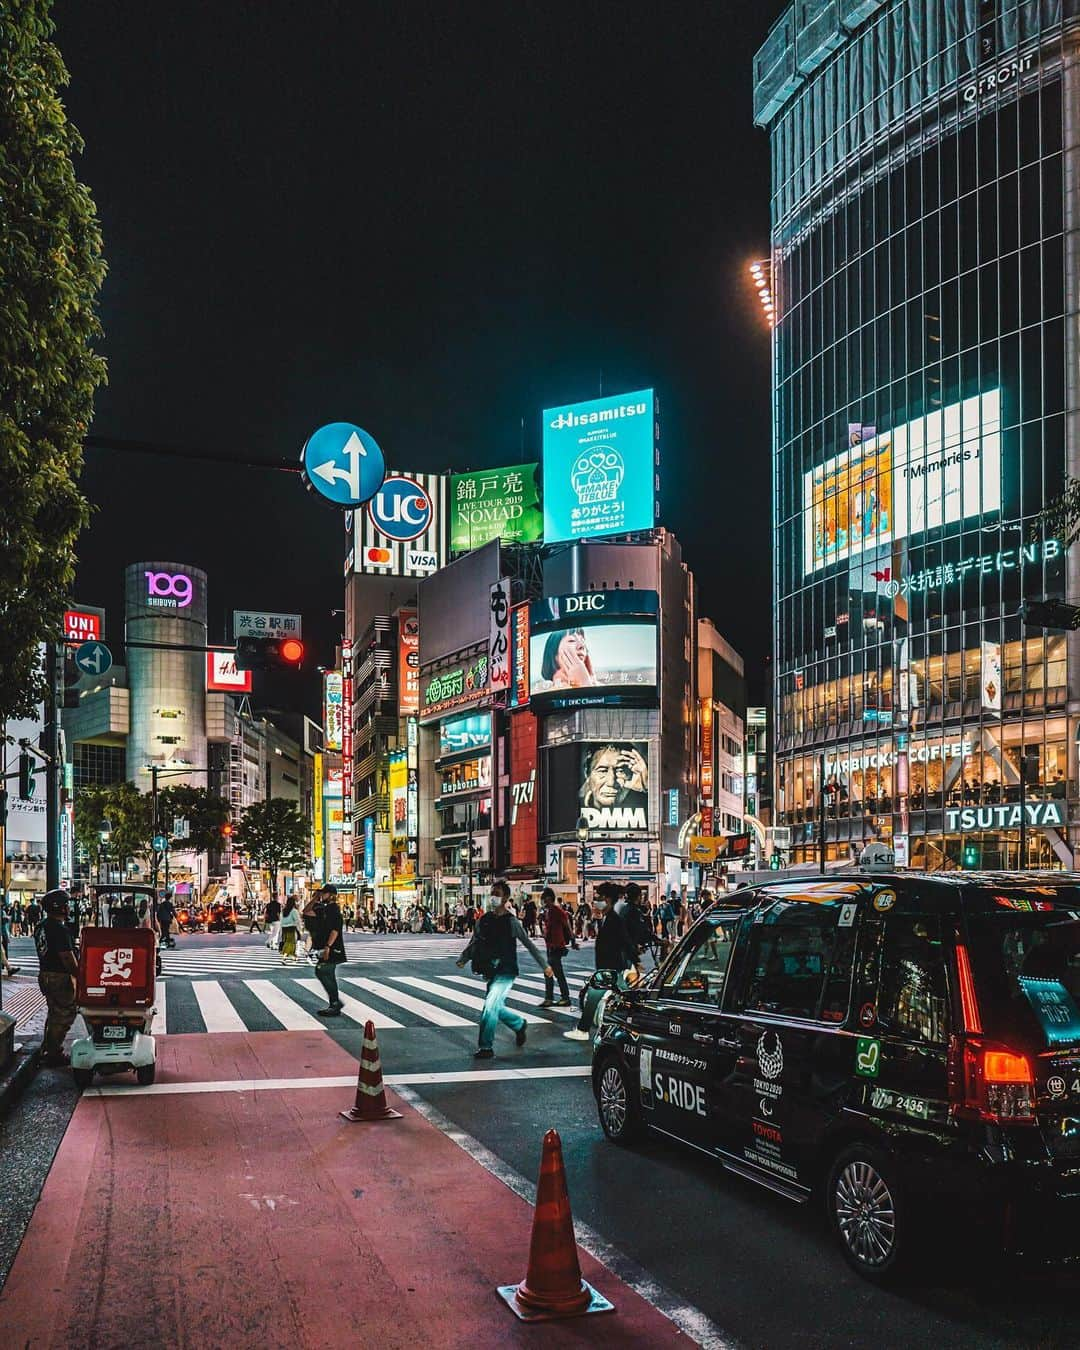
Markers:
<point>115,1033</point>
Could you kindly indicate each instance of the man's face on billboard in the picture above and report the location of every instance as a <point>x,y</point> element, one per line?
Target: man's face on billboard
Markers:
<point>604,782</point>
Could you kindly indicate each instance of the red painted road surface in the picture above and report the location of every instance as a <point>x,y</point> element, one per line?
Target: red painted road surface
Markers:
<point>264,1219</point>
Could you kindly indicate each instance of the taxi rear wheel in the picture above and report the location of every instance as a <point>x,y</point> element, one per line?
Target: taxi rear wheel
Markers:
<point>866,1212</point>
<point>620,1117</point>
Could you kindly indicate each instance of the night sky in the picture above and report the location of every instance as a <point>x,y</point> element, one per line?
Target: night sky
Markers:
<point>433,220</point>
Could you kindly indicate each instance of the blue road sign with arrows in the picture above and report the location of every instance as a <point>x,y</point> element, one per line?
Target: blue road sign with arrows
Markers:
<point>344,464</point>
<point>93,658</point>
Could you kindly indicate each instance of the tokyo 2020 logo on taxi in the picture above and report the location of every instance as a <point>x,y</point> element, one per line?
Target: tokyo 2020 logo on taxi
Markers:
<point>401,509</point>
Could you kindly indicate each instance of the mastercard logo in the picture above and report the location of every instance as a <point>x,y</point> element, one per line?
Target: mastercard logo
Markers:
<point>380,556</point>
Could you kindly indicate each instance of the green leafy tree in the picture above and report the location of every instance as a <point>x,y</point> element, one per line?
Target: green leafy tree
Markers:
<point>1060,517</point>
<point>274,835</point>
<point>205,812</point>
<point>51,270</point>
<point>128,812</point>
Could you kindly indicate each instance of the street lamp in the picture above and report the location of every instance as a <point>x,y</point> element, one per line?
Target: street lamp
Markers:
<point>583,839</point>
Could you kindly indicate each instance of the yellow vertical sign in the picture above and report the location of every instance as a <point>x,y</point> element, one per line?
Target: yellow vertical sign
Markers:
<point>318,805</point>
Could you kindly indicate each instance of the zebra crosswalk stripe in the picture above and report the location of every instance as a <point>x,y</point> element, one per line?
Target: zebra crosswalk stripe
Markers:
<point>160,1024</point>
<point>429,1011</point>
<point>359,1012</point>
<point>289,1013</point>
<point>217,1012</point>
<point>454,995</point>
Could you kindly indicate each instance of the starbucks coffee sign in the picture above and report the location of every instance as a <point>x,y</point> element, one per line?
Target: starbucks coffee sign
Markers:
<point>1005,817</point>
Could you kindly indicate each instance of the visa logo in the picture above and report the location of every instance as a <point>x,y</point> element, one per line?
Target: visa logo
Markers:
<point>426,561</point>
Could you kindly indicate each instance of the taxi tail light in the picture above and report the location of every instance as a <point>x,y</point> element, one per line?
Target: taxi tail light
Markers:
<point>991,1082</point>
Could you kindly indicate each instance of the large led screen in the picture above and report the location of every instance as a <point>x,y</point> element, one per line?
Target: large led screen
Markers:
<point>495,504</point>
<point>607,782</point>
<point>600,467</point>
<point>937,470</point>
<point>593,659</point>
<point>464,733</point>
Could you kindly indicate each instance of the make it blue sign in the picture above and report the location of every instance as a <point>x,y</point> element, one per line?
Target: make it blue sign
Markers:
<point>600,467</point>
<point>369,848</point>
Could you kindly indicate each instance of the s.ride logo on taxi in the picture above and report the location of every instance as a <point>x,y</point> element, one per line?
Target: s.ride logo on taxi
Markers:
<point>678,1092</point>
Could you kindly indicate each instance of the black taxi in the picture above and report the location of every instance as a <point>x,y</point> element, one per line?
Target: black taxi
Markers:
<point>903,1047</point>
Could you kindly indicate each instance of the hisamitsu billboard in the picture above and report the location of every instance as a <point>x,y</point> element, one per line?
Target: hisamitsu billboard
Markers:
<point>600,467</point>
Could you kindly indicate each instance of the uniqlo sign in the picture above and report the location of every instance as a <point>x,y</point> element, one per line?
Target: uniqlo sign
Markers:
<point>79,626</point>
<point>222,675</point>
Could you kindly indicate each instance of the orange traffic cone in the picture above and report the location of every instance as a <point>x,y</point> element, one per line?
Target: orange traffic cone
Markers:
<point>370,1101</point>
<point>553,1286</point>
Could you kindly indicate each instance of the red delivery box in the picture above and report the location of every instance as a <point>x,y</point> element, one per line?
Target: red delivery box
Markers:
<point>116,967</point>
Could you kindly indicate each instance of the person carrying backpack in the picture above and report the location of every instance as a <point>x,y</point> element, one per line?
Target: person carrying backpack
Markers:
<point>493,953</point>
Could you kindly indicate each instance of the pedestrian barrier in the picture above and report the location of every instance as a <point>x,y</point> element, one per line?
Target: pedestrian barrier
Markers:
<point>370,1103</point>
<point>552,1286</point>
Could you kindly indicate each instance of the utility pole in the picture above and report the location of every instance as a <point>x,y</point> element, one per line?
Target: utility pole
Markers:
<point>469,850</point>
<point>53,769</point>
<point>154,826</point>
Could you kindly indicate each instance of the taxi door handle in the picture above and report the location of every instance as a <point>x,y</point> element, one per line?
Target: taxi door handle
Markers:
<point>726,1044</point>
<point>703,1036</point>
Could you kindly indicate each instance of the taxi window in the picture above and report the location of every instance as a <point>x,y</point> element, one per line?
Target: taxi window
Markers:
<point>800,962</point>
<point>699,976</point>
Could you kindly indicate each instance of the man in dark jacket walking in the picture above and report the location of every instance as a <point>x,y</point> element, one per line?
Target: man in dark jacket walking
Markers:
<point>558,935</point>
<point>323,919</point>
<point>497,934</point>
<point>614,952</point>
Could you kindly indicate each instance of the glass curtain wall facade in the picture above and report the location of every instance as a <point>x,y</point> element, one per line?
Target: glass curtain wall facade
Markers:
<point>924,228</point>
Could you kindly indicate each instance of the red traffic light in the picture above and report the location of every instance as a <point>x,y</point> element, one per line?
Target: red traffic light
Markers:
<point>292,650</point>
<point>226,830</point>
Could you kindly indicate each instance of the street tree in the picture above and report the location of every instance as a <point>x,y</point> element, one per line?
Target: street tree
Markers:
<point>274,835</point>
<point>130,818</point>
<point>1060,517</point>
<point>51,269</point>
<point>205,811</point>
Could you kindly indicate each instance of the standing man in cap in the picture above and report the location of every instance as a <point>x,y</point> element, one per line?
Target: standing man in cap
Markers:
<point>56,975</point>
<point>323,918</point>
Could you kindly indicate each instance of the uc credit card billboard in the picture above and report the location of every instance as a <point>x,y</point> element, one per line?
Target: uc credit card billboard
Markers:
<point>600,467</point>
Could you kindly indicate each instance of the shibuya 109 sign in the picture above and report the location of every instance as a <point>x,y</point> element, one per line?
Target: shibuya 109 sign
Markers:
<point>169,590</point>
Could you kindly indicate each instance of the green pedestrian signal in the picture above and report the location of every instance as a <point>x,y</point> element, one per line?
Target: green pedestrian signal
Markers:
<point>26,775</point>
<point>971,855</point>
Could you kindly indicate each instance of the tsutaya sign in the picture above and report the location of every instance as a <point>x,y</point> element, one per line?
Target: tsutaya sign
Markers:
<point>920,752</point>
<point>1006,817</point>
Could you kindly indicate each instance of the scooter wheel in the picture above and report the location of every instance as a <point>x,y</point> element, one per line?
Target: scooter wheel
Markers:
<point>145,1074</point>
<point>83,1078</point>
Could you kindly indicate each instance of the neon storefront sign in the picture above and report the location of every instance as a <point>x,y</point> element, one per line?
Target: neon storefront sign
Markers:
<point>985,564</point>
<point>921,752</point>
<point>169,590</point>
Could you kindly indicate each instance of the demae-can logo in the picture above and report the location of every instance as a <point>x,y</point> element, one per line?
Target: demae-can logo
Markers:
<point>401,509</point>
<point>171,590</point>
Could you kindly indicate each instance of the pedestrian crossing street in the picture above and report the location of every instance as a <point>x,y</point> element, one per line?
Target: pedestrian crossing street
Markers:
<point>393,1002</point>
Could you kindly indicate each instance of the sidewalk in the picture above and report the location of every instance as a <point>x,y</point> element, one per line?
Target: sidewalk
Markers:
<point>262,1218</point>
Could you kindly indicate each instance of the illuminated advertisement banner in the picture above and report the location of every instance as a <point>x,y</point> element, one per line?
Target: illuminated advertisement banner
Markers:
<point>707,753</point>
<point>607,782</point>
<point>346,755</point>
<point>408,663</point>
<point>600,467</point>
<point>468,775</point>
<point>333,719</point>
<point>82,625</point>
<point>402,530</point>
<point>519,655</point>
<point>594,647</point>
<point>222,675</point>
<point>399,799</point>
<point>499,636</point>
<point>465,733</point>
<point>524,798</point>
<point>451,688</point>
<point>495,504</point>
<point>937,470</point>
<point>318,807</point>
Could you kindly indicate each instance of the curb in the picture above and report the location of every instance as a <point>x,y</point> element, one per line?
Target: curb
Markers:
<point>15,1076</point>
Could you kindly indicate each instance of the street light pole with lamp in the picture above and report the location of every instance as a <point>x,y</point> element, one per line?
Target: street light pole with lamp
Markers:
<point>583,839</point>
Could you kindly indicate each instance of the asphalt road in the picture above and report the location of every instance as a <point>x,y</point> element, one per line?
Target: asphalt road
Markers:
<point>762,1269</point>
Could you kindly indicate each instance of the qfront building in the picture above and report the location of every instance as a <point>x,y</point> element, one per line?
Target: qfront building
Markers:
<point>925,270</point>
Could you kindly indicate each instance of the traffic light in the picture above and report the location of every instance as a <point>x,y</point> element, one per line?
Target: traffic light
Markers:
<point>258,653</point>
<point>971,855</point>
<point>774,863</point>
<point>26,775</point>
<point>227,831</point>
